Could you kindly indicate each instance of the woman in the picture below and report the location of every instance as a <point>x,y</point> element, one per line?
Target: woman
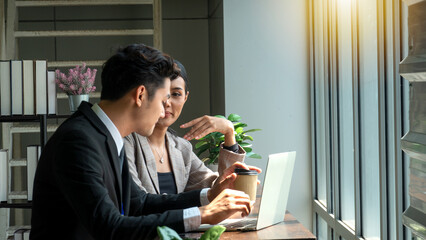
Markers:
<point>165,163</point>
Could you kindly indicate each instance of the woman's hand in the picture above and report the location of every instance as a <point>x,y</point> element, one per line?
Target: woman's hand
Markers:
<point>207,124</point>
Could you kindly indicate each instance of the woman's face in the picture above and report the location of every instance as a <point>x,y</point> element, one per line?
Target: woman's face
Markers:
<point>175,104</point>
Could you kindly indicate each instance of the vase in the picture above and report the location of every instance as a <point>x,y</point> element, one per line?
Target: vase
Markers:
<point>75,101</point>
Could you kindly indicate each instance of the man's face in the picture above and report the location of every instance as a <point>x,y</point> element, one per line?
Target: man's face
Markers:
<point>152,110</point>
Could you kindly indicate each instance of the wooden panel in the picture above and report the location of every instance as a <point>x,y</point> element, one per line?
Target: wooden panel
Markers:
<point>80,3</point>
<point>126,32</point>
<point>2,31</point>
<point>56,64</point>
<point>156,9</point>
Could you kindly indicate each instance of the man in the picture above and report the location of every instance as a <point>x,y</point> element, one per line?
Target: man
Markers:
<point>82,187</point>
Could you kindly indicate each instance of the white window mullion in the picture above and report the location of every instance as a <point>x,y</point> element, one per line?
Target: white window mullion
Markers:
<point>382,121</point>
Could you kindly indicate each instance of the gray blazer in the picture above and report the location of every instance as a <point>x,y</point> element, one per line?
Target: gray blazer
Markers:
<point>189,171</point>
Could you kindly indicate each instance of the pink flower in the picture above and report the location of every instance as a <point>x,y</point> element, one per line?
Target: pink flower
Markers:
<point>79,80</point>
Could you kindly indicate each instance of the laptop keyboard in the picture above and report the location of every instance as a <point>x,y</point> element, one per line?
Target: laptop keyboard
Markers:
<point>249,223</point>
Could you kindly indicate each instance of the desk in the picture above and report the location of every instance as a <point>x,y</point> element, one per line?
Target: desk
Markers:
<point>289,229</point>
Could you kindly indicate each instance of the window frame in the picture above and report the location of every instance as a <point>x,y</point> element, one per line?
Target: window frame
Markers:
<point>391,103</point>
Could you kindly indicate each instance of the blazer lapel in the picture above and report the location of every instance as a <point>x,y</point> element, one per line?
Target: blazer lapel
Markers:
<point>150,163</point>
<point>178,164</point>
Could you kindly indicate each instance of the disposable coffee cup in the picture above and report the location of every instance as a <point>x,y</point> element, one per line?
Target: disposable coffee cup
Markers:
<point>246,181</point>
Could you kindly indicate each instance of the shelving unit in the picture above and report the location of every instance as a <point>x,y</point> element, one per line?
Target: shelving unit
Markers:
<point>43,129</point>
<point>12,34</point>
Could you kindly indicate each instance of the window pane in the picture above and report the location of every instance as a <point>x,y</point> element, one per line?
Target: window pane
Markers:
<point>369,120</point>
<point>392,223</point>
<point>406,128</point>
<point>322,229</point>
<point>346,114</point>
<point>320,105</point>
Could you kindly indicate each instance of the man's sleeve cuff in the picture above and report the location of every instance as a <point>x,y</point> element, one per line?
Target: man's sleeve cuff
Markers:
<point>203,197</point>
<point>191,219</point>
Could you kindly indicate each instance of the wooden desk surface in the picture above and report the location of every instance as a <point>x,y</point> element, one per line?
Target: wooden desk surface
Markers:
<point>289,229</point>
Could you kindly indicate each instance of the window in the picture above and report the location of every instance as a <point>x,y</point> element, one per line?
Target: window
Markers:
<point>359,115</point>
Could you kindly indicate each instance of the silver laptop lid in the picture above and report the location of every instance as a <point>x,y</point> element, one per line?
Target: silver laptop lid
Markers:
<point>277,181</point>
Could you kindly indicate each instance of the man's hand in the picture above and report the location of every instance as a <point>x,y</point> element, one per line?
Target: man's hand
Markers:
<point>226,180</point>
<point>224,205</point>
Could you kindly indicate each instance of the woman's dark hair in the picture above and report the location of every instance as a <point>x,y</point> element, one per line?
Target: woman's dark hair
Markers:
<point>180,72</point>
<point>133,66</point>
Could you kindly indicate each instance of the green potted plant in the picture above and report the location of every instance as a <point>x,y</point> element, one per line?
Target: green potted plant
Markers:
<point>213,233</point>
<point>211,142</point>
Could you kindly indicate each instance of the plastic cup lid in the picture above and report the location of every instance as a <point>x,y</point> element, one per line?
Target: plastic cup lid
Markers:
<point>242,171</point>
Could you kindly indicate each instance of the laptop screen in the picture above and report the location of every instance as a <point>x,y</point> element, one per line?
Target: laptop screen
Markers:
<point>276,188</point>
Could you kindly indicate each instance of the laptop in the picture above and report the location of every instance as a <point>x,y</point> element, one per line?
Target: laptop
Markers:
<point>273,203</point>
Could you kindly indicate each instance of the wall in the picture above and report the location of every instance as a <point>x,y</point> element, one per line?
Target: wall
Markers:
<point>217,84</point>
<point>266,59</point>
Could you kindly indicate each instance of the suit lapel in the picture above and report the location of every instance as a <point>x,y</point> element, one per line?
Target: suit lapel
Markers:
<point>150,163</point>
<point>177,164</point>
<point>86,109</point>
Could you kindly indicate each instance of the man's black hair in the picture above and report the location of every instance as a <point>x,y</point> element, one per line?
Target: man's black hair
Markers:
<point>133,66</point>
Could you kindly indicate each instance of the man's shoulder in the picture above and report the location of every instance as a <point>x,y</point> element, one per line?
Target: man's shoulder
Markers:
<point>77,125</point>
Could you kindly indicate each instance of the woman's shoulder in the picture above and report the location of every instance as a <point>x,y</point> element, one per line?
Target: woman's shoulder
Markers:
<point>133,138</point>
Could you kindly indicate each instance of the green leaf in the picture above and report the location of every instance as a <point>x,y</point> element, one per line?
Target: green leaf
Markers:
<point>213,158</point>
<point>237,125</point>
<point>239,130</point>
<point>220,116</point>
<point>245,144</point>
<point>234,117</point>
<point>215,150</point>
<point>203,138</point>
<point>255,155</point>
<point>248,137</point>
<point>200,143</point>
<point>166,233</point>
<point>247,149</point>
<point>217,135</point>
<point>252,130</point>
<point>249,154</point>
<point>213,233</point>
<point>202,149</point>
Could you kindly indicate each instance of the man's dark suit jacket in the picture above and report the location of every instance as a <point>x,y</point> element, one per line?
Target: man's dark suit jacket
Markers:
<point>79,190</point>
